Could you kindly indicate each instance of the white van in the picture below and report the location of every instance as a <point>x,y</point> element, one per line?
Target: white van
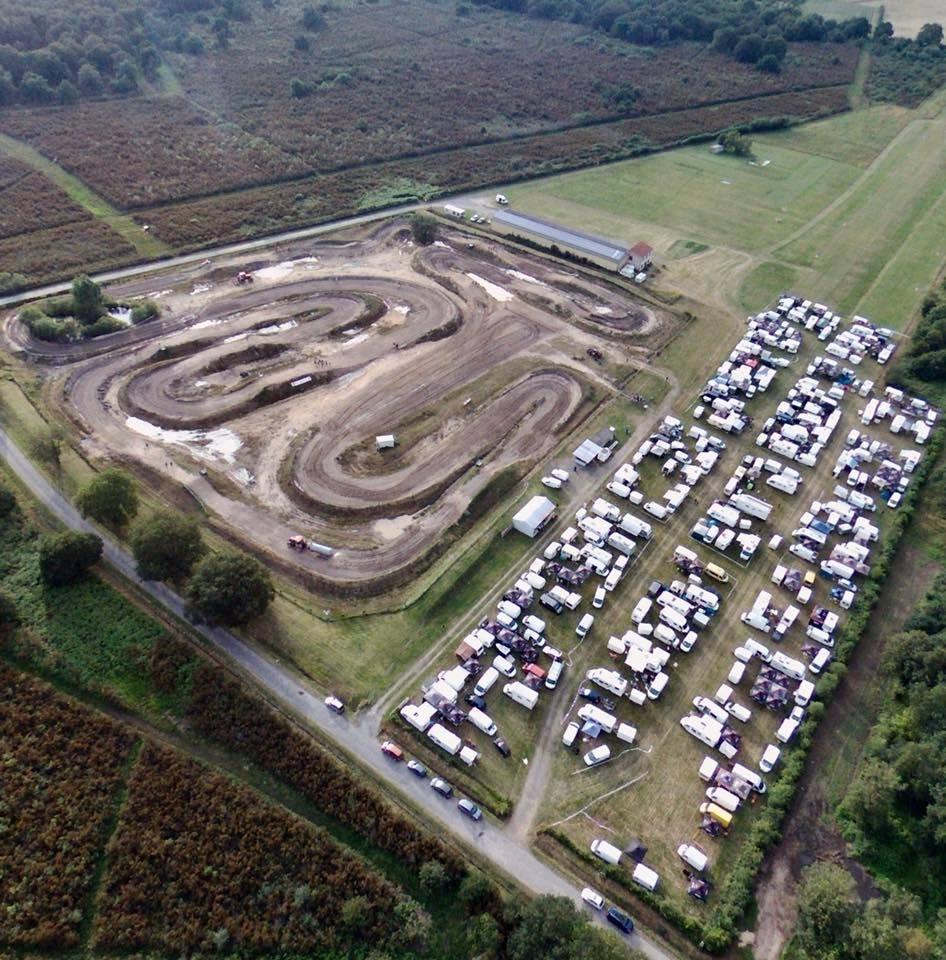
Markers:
<point>532,622</point>
<point>555,671</point>
<point>804,693</point>
<point>725,799</point>
<point>692,856</point>
<point>612,579</point>
<point>606,851</point>
<point>820,660</point>
<point>505,665</point>
<point>486,682</point>
<point>787,729</point>
<point>656,509</point>
<point>750,776</point>
<point>646,877</point>
<point>509,608</point>
<point>803,553</point>
<point>571,732</point>
<point>585,625</point>
<point>482,721</point>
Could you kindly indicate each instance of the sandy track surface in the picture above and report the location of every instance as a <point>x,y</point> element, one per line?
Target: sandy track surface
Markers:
<point>278,388</point>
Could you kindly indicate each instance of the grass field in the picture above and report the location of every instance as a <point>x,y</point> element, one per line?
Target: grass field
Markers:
<point>880,218</point>
<point>850,209</point>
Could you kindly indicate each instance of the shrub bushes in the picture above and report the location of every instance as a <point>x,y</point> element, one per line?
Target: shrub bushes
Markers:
<point>220,709</point>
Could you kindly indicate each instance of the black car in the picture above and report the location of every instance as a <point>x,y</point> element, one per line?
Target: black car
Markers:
<point>502,746</point>
<point>441,786</point>
<point>620,919</point>
<point>474,701</point>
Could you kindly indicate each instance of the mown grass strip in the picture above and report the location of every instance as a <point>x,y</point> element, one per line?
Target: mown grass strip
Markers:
<point>145,243</point>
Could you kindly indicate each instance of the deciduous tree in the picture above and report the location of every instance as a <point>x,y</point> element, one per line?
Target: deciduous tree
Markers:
<point>166,546</point>
<point>111,498</point>
<point>230,588</point>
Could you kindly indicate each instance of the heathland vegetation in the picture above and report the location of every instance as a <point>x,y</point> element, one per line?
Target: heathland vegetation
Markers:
<point>216,119</point>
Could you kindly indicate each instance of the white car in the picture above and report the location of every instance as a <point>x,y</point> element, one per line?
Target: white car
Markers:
<point>599,755</point>
<point>559,474</point>
<point>334,704</point>
<point>553,483</point>
<point>599,598</point>
<point>592,898</point>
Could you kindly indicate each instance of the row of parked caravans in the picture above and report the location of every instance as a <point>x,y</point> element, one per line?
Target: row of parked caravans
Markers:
<point>921,427</point>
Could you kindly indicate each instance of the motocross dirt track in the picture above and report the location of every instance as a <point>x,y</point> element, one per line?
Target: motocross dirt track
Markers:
<point>263,399</point>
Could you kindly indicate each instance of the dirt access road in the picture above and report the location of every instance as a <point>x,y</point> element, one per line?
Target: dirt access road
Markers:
<point>261,399</point>
<point>355,739</point>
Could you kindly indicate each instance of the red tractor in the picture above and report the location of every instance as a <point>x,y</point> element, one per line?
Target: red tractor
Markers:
<point>243,277</point>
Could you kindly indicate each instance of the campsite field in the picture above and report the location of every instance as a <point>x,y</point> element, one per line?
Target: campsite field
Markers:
<point>651,790</point>
<point>849,209</point>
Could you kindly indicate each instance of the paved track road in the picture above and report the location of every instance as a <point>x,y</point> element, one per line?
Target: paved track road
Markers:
<point>358,738</point>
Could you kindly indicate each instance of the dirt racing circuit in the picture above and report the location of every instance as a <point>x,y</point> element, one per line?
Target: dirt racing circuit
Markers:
<point>264,398</point>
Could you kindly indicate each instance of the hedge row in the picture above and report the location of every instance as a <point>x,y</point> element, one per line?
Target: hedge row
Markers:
<point>717,933</point>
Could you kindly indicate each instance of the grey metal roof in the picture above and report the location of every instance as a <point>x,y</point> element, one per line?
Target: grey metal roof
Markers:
<point>596,246</point>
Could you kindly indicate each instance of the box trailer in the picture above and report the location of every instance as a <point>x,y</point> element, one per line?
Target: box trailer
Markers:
<point>626,732</point>
<point>753,506</point>
<point>609,680</point>
<point>448,741</point>
<point>521,694</point>
<point>635,527</point>
<point>590,713</point>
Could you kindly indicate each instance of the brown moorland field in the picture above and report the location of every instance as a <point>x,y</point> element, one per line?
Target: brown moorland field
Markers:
<point>405,98</point>
<point>80,247</point>
<point>29,202</point>
<point>198,862</point>
<point>62,768</point>
<point>267,209</point>
<point>249,131</point>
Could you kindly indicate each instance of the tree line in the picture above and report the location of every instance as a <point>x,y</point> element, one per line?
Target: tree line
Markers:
<point>223,587</point>
<point>750,31</point>
<point>62,53</point>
